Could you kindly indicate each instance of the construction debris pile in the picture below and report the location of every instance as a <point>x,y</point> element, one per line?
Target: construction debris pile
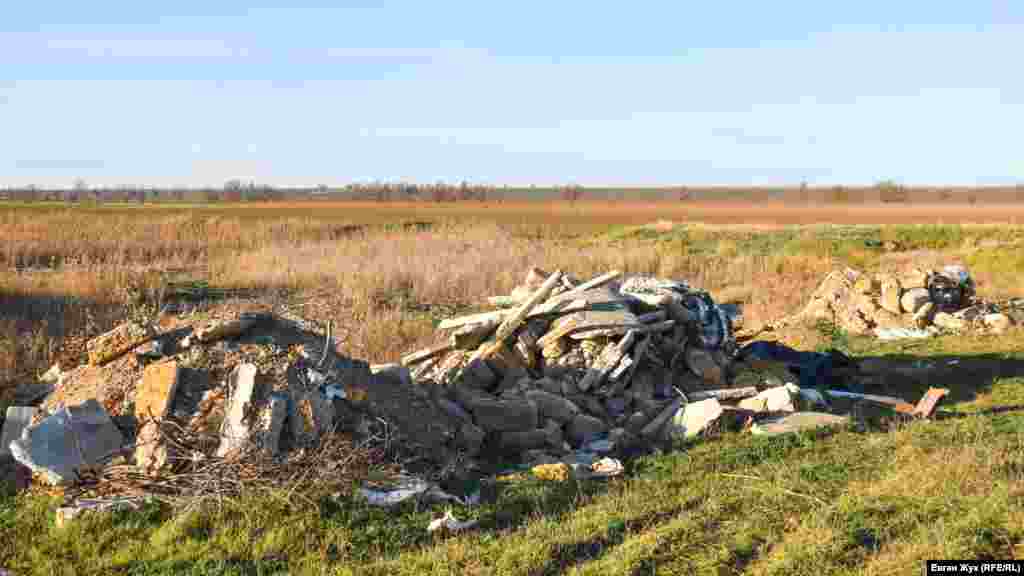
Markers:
<point>598,367</point>
<point>918,303</point>
<point>563,376</point>
<point>203,400</point>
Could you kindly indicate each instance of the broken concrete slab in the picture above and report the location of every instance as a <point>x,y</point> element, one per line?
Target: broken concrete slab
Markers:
<point>796,422</point>
<point>655,427</point>
<point>68,441</point>
<point>237,426</point>
<point>118,342</point>
<point>778,399</point>
<point>155,395</point>
<point>695,417</point>
<point>17,419</point>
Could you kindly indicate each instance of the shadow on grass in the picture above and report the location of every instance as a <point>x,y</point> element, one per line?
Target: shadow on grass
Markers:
<point>966,376</point>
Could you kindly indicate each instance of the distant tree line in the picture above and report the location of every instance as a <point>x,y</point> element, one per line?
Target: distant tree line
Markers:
<point>237,190</point>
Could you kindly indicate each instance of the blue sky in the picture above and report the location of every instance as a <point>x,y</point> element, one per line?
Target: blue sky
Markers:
<point>303,93</point>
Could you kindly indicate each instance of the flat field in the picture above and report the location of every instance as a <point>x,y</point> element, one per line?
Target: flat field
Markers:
<point>846,502</point>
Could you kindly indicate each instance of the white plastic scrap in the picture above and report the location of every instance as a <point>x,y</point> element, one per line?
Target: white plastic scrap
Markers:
<point>450,523</point>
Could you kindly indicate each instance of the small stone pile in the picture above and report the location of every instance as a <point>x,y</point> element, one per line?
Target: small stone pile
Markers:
<point>931,301</point>
<point>568,366</point>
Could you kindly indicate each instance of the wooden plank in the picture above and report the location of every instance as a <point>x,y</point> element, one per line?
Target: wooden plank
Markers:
<point>426,354</point>
<point>512,322</point>
<point>725,394</point>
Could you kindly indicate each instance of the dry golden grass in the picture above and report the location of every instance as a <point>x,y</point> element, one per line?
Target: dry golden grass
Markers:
<point>377,270</point>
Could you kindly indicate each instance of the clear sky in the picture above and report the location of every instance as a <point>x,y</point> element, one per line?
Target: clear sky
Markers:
<point>302,93</point>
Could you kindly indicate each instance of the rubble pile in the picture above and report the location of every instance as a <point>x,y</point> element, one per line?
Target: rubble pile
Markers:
<point>598,366</point>
<point>918,303</point>
<point>210,383</point>
<point>561,376</point>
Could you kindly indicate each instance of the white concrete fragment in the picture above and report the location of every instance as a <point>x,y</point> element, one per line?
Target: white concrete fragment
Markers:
<point>695,417</point>
<point>778,399</point>
<point>72,438</point>
<point>235,430</point>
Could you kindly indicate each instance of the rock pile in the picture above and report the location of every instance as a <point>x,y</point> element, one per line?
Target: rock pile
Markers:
<point>928,301</point>
<point>600,365</point>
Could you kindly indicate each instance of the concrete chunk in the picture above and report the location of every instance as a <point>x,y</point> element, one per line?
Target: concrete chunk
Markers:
<point>504,415</point>
<point>655,426</point>
<point>70,440</point>
<point>155,396</point>
<point>585,428</point>
<point>557,408</point>
<point>695,417</point>
<point>778,399</point>
<point>236,428</point>
<point>118,342</point>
